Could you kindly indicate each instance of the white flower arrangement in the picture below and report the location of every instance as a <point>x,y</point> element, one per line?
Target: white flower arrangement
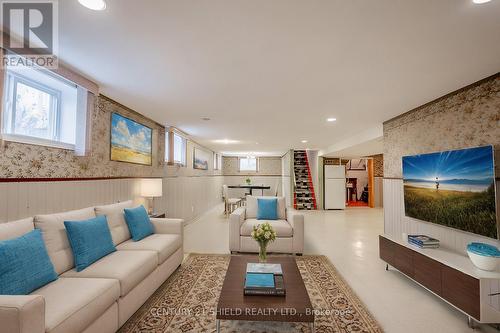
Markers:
<point>263,234</point>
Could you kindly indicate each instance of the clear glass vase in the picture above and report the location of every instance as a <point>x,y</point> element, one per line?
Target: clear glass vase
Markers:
<point>262,252</point>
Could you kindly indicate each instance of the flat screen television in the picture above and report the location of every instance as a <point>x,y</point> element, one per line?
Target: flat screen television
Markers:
<point>453,188</point>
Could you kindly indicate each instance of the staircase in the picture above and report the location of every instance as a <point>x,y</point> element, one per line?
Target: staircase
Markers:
<point>303,195</point>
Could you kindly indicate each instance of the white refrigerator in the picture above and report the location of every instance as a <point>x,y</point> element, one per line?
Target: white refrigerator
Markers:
<point>335,187</point>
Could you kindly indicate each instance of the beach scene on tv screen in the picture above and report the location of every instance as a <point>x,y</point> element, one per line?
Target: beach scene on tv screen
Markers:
<point>453,188</point>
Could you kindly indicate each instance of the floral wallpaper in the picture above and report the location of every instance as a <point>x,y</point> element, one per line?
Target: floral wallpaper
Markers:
<point>467,118</point>
<point>31,161</point>
<point>268,166</point>
<point>378,165</point>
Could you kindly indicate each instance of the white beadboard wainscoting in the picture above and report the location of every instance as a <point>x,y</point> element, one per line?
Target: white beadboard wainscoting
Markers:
<point>396,223</point>
<point>183,197</point>
<point>188,197</point>
<point>24,199</point>
<point>378,191</point>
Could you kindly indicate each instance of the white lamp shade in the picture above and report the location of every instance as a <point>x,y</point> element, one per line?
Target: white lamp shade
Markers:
<point>152,187</point>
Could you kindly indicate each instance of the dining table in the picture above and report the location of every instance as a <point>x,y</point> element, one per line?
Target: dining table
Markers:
<point>250,187</point>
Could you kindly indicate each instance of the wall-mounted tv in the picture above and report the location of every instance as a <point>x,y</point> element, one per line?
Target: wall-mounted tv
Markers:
<point>453,188</point>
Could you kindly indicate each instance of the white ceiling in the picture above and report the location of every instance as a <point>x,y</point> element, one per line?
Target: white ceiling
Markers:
<point>272,71</point>
<point>364,149</point>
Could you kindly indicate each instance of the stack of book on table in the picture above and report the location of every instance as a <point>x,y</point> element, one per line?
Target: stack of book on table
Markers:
<point>423,242</point>
<point>264,280</point>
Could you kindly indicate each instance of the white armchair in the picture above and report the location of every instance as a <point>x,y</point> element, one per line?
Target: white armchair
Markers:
<point>289,229</point>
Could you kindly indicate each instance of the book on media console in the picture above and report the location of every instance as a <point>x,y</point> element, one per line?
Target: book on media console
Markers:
<point>423,246</point>
<point>422,239</point>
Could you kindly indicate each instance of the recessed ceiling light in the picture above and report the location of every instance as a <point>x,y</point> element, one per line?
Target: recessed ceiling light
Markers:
<point>478,2</point>
<point>304,141</point>
<point>331,120</point>
<point>226,141</point>
<point>93,4</point>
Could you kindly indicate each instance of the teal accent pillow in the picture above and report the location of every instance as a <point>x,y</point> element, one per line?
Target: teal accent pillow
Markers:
<point>90,240</point>
<point>25,265</point>
<point>138,222</point>
<point>267,209</point>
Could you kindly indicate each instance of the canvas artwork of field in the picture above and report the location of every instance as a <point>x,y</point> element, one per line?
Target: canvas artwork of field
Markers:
<point>200,159</point>
<point>130,141</point>
<point>453,188</point>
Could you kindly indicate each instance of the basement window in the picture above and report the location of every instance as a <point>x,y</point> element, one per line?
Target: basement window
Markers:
<point>41,108</point>
<point>216,161</point>
<point>248,164</point>
<point>179,149</point>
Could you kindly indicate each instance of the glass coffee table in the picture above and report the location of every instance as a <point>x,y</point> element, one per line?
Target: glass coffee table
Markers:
<point>294,307</point>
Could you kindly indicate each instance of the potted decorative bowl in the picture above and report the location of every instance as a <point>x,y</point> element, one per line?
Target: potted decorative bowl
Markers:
<point>484,256</point>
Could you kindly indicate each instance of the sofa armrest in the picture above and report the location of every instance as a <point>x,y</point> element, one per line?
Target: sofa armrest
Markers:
<point>236,219</point>
<point>22,314</point>
<point>168,226</point>
<point>296,220</point>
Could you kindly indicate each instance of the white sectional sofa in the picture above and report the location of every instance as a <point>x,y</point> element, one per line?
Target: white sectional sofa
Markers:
<point>289,229</point>
<point>103,296</point>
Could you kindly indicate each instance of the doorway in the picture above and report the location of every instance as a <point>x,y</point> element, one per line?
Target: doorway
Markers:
<point>359,182</point>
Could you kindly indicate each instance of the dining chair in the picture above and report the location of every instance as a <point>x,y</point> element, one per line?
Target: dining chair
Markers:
<point>229,203</point>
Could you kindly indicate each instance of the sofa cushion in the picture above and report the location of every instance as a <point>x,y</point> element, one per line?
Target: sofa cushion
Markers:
<point>128,267</point>
<point>90,240</point>
<point>55,237</point>
<point>282,227</point>
<point>71,305</point>
<point>267,209</point>
<point>138,223</point>
<point>24,264</point>
<point>251,209</point>
<point>16,228</point>
<point>116,220</point>
<point>163,244</point>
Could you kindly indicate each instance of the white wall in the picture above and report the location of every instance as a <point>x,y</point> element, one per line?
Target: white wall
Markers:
<point>286,178</point>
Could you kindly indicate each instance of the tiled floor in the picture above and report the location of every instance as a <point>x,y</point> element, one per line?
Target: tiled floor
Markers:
<point>350,240</point>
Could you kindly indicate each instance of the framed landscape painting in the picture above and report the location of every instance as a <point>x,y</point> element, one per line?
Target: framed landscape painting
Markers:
<point>131,142</point>
<point>200,159</point>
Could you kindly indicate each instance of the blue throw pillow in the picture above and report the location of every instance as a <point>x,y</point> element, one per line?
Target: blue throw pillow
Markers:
<point>24,264</point>
<point>138,222</point>
<point>267,209</point>
<point>90,240</point>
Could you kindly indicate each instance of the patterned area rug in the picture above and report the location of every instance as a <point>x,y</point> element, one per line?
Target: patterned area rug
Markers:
<point>186,302</point>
